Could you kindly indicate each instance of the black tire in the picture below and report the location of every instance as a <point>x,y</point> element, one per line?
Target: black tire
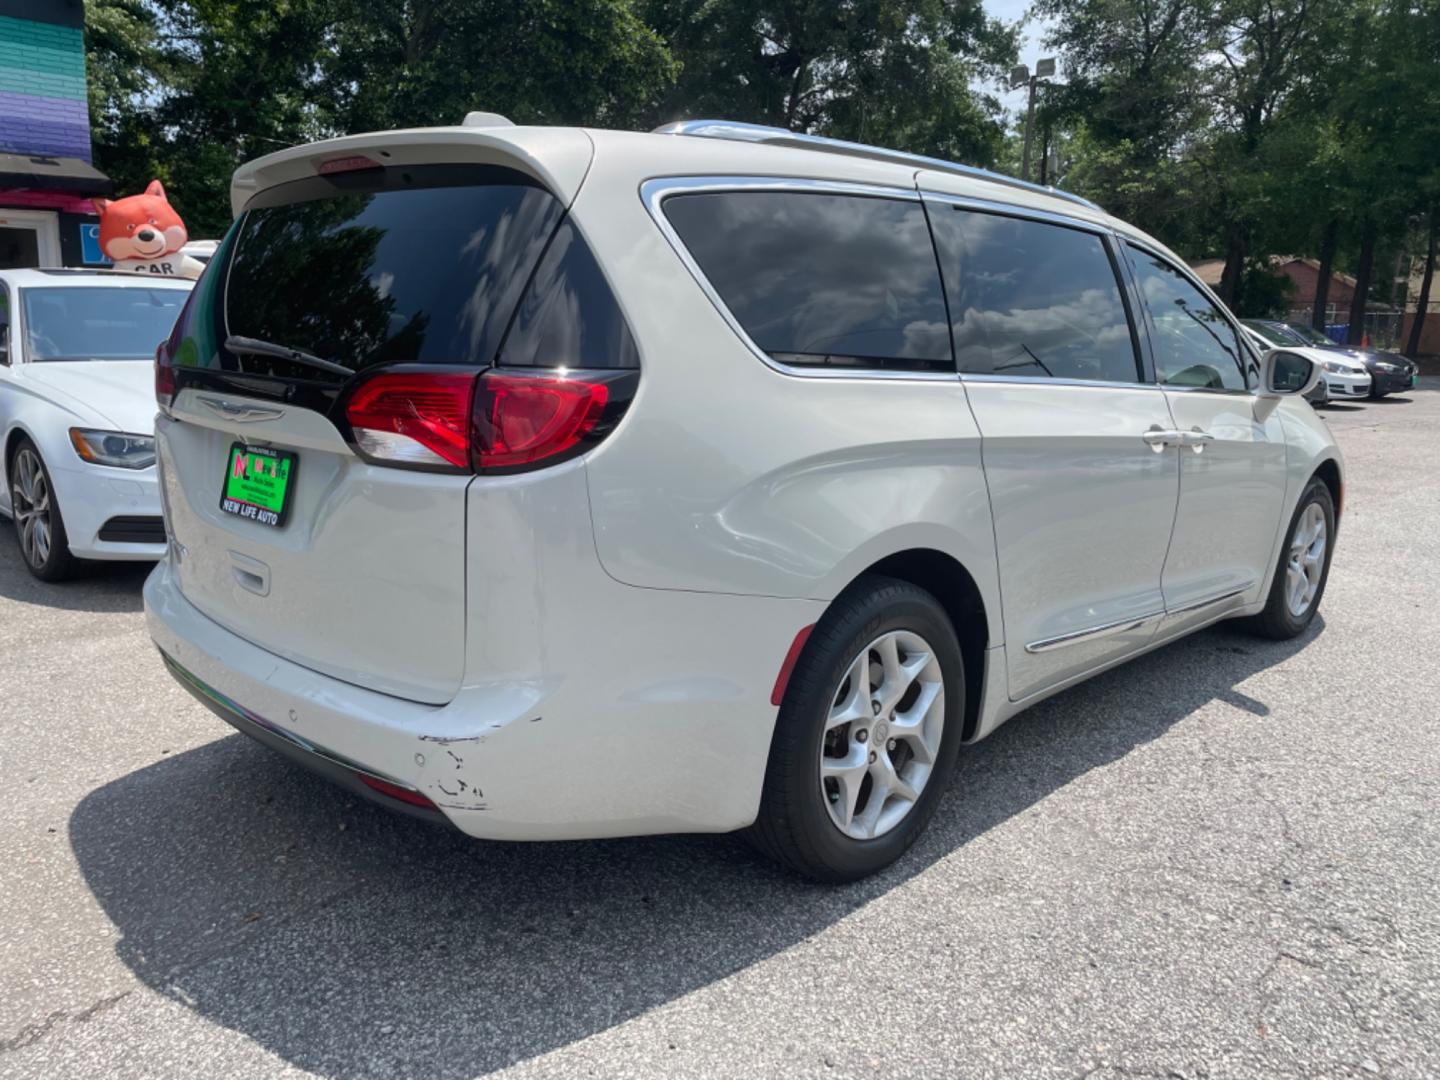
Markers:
<point>57,563</point>
<point>1277,621</point>
<point>794,825</point>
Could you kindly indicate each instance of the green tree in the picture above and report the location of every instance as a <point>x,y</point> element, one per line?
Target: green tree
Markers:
<point>403,63</point>
<point>881,71</point>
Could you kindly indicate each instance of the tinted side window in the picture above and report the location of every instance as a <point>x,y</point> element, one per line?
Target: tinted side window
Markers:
<point>822,280</point>
<point>568,316</point>
<point>1032,299</point>
<point>1194,345</point>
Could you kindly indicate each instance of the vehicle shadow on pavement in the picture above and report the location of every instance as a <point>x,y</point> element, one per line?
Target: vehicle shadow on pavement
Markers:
<point>98,586</point>
<point>355,942</point>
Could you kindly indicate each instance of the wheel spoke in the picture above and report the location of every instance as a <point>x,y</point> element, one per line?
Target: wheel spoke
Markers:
<point>27,475</point>
<point>893,680</point>
<point>856,703</point>
<point>848,773</point>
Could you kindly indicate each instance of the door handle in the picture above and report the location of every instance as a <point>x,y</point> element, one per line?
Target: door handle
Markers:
<point>1157,438</point>
<point>1195,439</point>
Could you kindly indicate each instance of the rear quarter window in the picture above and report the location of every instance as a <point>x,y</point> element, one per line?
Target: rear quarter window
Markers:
<point>822,280</point>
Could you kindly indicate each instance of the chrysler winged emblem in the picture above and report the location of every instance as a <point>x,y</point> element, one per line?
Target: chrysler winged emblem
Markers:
<point>240,411</point>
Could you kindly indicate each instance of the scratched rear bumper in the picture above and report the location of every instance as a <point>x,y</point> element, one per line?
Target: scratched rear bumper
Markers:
<point>320,760</point>
<point>335,728</point>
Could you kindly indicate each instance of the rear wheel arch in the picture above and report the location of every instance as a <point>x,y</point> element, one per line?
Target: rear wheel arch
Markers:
<point>948,580</point>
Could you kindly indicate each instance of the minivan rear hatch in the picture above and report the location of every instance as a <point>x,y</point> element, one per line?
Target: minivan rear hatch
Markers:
<point>285,531</point>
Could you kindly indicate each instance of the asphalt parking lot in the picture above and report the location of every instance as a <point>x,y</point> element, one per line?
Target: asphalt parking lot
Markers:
<point>1221,860</point>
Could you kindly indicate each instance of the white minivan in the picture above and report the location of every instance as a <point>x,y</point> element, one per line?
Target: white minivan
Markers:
<point>564,483</point>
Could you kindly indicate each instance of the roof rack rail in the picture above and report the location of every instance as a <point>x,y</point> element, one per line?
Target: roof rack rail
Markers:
<point>759,133</point>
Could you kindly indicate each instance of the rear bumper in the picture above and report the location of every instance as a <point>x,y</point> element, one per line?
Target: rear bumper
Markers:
<point>318,759</point>
<point>584,751</point>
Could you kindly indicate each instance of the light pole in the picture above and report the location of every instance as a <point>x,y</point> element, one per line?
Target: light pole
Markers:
<point>1020,76</point>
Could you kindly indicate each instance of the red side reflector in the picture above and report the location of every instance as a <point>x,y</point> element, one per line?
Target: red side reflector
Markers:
<point>521,419</point>
<point>414,418</point>
<point>395,791</point>
<point>791,658</point>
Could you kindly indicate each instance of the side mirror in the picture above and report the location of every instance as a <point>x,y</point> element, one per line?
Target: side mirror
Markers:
<point>1285,374</point>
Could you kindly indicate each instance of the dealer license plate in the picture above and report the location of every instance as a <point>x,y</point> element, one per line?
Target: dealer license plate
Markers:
<point>257,484</point>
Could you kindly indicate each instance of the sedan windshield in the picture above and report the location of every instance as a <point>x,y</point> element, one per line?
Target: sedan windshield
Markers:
<point>1275,335</point>
<point>1309,335</point>
<point>98,323</point>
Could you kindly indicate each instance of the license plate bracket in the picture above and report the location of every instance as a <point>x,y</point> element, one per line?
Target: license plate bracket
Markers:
<point>258,484</point>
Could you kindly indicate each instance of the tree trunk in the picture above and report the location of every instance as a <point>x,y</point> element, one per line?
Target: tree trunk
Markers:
<point>1328,240</point>
<point>1356,331</point>
<point>1417,324</point>
<point>1234,267</point>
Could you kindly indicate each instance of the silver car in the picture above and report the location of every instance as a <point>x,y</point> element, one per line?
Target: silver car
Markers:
<point>562,483</point>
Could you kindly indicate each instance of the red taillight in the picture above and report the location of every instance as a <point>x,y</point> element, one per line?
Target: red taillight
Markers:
<point>522,419</point>
<point>395,791</point>
<point>414,418</point>
<point>164,376</point>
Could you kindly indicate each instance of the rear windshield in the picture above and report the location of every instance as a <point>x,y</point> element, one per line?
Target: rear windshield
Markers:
<point>98,323</point>
<point>388,266</point>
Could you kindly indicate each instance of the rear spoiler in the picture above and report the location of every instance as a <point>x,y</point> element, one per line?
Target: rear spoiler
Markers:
<point>557,157</point>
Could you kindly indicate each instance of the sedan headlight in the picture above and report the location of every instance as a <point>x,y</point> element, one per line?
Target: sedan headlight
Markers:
<point>115,448</point>
<point>1338,368</point>
<point>1383,366</point>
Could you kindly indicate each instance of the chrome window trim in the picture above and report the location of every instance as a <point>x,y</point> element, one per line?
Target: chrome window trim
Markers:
<point>993,206</point>
<point>653,194</point>
<point>1225,313</point>
<point>1046,380</point>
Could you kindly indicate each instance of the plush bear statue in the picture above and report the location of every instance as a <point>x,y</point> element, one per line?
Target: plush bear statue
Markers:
<point>143,234</point>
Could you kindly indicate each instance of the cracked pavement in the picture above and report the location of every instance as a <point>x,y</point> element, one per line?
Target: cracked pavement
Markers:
<point>1219,860</point>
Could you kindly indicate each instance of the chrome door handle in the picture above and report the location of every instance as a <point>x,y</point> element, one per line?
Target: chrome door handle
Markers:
<point>1195,439</point>
<point>1158,438</point>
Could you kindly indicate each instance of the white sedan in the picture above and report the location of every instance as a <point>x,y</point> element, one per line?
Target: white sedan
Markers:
<point>77,413</point>
<point>1343,375</point>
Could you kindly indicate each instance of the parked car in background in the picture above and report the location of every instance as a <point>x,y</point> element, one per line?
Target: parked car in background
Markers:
<point>77,410</point>
<point>562,483</point>
<point>1318,395</point>
<point>200,250</point>
<point>1345,373</point>
<point>1389,371</point>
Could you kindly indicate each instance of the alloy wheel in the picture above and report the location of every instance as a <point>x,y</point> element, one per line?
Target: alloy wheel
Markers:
<point>30,501</point>
<point>1306,564</point>
<point>882,734</point>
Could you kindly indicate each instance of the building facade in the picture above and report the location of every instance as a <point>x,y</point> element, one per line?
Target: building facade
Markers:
<point>46,176</point>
